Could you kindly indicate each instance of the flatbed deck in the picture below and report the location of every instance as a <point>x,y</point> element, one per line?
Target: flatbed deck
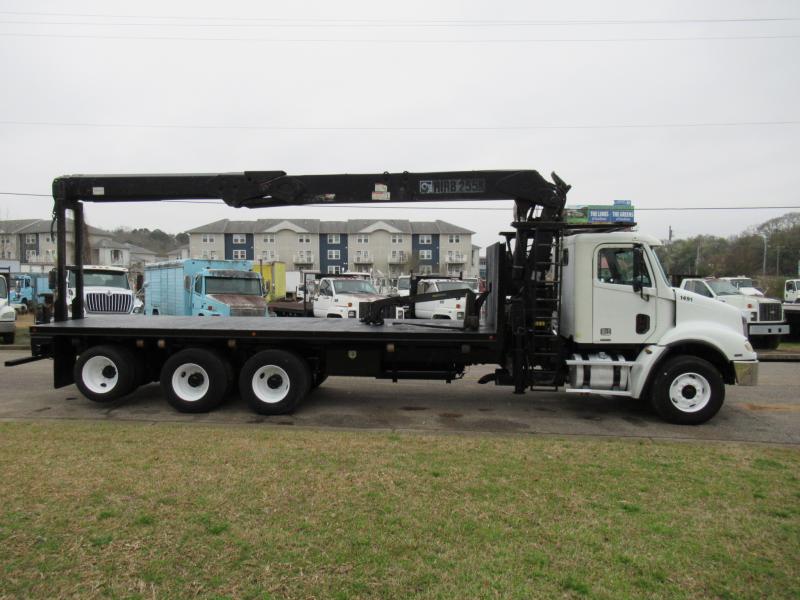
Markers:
<point>260,328</point>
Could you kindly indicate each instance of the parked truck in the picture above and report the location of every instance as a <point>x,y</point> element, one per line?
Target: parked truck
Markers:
<point>8,316</point>
<point>27,287</point>
<point>203,288</point>
<point>106,290</point>
<point>764,316</point>
<point>446,308</point>
<point>339,297</point>
<point>587,308</point>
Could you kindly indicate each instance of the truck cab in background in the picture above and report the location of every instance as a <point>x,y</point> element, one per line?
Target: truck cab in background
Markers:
<point>746,285</point>
<point>451,308</point>
<point>339,297</point>
<point>764,316</point>
<point>403,285</point>
<point>8,316</point>
<point>791,291</point>
<point>106,290</point>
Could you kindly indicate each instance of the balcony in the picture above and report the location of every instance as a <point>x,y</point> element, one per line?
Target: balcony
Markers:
<point>398,258</point>
<point>303,258</point>
<point>456,258</point>
<point>363,259</point>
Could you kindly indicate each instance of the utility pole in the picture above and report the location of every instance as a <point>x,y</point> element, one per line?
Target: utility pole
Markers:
<point>764,262</point>
<point>778,261</point>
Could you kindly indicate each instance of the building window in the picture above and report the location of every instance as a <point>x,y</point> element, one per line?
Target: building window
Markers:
<point>426,254</point>
<point>425,269</point>
<point>454,238</point>
<point>31,255</point>
<point>205,254</point>
<point>239,238</point>
<point>362,238</point>
<point>208,239</point>
<point>269,238</point>
<point>30,238</point>
<point>303,238</point>
<point>268,254</point>
<point>397,238</point>
<point>334,254</point>
<point>334,238</point>
<point>239,254</point>
<point>334,270</point>
<point>212,255</point>
<point>426,239</point>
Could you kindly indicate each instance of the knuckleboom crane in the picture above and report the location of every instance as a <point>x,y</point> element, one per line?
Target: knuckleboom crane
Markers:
<point>525,271</point>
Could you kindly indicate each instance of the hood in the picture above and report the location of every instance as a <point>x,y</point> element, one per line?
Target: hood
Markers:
<point>362,296</point>
<point>751,291</point>
<point>103,290</point>
<point>694,307</point>
<point>239,300</point>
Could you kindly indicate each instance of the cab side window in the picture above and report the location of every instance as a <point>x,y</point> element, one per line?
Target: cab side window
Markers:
<point>790,286</point>
<point>702,289</point>
<point>198,285</point>
<point>325,289</point>
<point>615,265</point>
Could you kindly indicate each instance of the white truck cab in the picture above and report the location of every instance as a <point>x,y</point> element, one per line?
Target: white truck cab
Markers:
<point>8,316</point>
<point>339,297</point>
<point>791,290</point>
<point>106,290</point>
<point>632,334</point>
<point>764,316</point>
<point>403,285</point>
<point>451,308</point>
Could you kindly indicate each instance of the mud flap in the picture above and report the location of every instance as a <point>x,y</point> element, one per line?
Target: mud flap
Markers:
<point>63,363</point>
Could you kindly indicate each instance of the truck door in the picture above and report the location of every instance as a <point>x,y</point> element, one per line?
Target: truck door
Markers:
<point>621,312</point>
<point>323,299</point>
<point>197,296</point>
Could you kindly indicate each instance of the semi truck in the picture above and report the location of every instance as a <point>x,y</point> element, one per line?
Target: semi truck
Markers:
<point>584,308</point>
<point>203,288</point>
<point>106,290</point>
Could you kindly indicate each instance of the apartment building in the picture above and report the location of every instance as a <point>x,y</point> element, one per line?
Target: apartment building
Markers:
<point>32,242</point>
<point>389,246</point>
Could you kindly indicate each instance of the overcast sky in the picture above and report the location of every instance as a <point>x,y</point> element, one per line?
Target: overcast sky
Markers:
<point>222,99</point>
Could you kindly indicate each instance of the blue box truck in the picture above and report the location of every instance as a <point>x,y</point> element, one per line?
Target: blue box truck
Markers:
<point>194,287</point>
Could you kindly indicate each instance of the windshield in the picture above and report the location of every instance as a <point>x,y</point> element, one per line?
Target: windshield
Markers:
<point>233,285</point>
<point>354,286</point>
<point>446,286</point>
<point>741,282</point>
<point>3,288</point>
<point>403,283</point>
<point>112,279</point>
<point>723,288</point>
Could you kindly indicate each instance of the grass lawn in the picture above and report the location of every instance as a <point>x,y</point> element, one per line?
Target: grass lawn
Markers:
<point>790,346</point>
<point>116,510</point>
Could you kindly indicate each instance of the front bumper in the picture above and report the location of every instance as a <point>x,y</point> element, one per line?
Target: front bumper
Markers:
<point>7,326</point>
<point>746,372</point>
<point>770,329</point>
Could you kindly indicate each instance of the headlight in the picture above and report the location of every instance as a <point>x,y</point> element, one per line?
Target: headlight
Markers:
<point>754,316</point>
<point>748,346</point>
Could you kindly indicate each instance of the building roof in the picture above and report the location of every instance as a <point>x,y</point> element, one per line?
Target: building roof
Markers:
<point>21,226</point>
<point>132,248</point>
<point>316,226</point>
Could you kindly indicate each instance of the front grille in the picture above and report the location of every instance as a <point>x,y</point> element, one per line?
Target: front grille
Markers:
<point>98,302</point>
<point>770,311</point>
<point>247,312</point>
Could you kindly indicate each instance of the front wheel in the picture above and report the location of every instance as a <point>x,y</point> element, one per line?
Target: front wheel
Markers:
<point>195,380</point>
<point>687,390</point>
<point>273,382</point>
<point>8,338</point>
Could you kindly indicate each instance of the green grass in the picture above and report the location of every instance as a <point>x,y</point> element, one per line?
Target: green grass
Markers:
<point>138,511</point>
<point>790,346</point>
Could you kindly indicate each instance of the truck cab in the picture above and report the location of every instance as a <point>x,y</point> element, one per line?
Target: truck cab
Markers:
<point>106,290</point>
<point>339,297</point>
<point>791,291</point>
<point>227,293</point>
<point>451,308</point>
<point>8,316</point>
<point>403,285</point>
<point>764,316</point>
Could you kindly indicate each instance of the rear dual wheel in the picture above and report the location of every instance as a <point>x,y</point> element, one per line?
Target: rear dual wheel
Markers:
<point>196,380</point>
<point>273,382</point>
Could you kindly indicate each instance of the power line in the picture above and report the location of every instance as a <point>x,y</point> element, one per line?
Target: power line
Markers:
<point>398,40</point>
<point>415,207</point>
<point>403,128</point>
<point>413,22</point>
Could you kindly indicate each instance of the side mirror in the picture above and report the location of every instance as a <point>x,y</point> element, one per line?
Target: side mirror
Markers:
<point>638,269</point>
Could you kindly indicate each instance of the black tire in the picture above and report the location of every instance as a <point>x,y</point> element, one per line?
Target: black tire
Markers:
<point>687,390</point>
<point>8,338</point>
<point>105,373</point>
<point>195,380</point>
<point>765,342</point>
<point>274,381</point>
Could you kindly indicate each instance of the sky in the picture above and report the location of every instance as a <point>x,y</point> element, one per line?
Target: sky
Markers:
<point>668,104</point>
